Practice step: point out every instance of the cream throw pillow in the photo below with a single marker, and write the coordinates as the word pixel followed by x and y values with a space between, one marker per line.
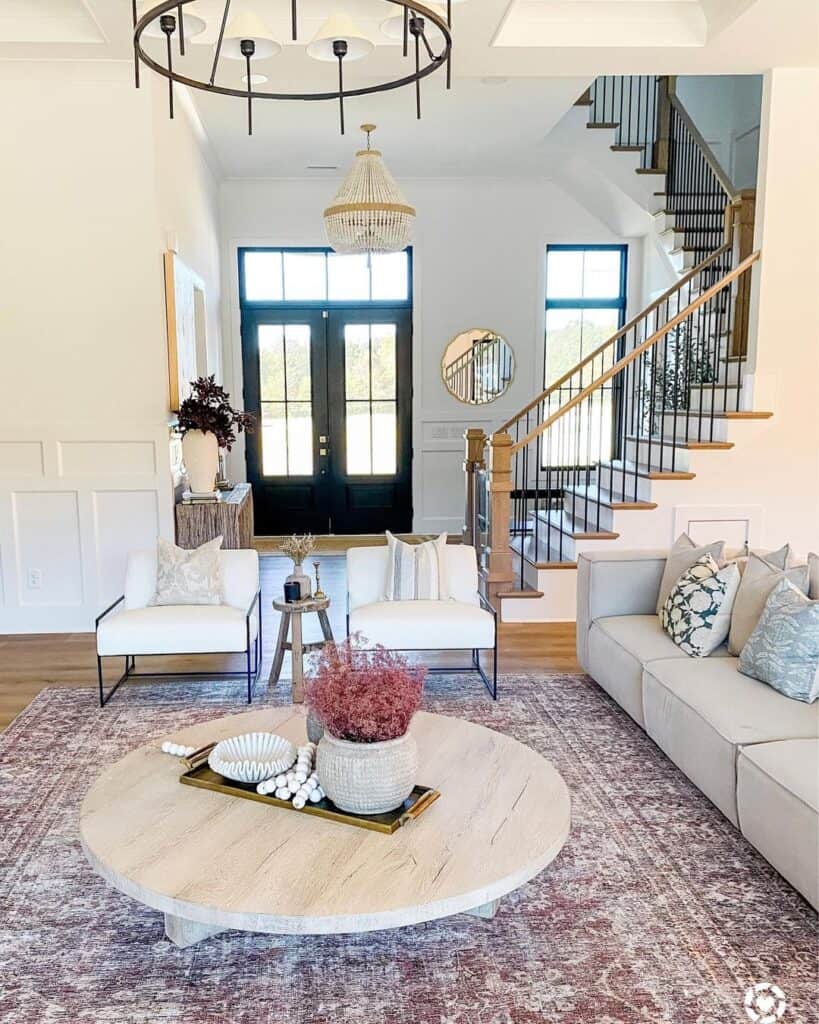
pixel 758 580
pixel 681 557
pixel 697 612
pixel 188 577
pixel 416 572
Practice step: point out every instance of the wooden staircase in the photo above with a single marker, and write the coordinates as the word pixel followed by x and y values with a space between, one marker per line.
pixel 599 455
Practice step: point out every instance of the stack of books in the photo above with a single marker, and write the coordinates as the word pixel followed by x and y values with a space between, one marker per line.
pixel 200 497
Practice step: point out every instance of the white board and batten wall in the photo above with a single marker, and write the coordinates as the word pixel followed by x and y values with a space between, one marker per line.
pixel 478 261
pixel 84 438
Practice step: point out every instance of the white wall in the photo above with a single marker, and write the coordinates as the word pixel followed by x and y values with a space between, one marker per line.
pixel 84 467
pixel 787 328
pixel 726 109
pixel 479 261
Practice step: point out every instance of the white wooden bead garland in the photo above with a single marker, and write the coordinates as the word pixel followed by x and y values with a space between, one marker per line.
pixel 176 749
pixel 300 784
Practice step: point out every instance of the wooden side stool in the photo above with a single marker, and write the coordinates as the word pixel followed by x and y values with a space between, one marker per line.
pixel 291 622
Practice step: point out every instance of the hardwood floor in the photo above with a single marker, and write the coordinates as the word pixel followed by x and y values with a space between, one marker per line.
pixel 29 663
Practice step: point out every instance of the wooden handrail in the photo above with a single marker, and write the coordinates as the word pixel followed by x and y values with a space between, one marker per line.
pixel 643 347
pixel 621 333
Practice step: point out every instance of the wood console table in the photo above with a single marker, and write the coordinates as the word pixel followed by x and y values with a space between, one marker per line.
pixel 232 516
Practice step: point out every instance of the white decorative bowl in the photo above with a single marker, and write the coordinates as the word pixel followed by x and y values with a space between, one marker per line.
pixel 252 757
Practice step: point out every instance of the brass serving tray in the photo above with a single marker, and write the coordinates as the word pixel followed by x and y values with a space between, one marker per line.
pixel 422 797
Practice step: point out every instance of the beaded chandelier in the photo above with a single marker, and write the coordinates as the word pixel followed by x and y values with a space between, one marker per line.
pixel 369 212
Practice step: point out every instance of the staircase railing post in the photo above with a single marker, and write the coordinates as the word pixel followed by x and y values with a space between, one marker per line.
pixel 474 460
pixel 498 574
pixel 744 207
pixel 662 130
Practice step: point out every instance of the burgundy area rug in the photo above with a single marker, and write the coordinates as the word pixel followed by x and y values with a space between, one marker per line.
pixel 657 910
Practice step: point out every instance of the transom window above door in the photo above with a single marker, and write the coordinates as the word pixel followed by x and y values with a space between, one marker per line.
pixel 304 276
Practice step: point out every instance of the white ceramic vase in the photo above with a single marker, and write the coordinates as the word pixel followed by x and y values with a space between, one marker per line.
pixel 200 451
pixel 367 778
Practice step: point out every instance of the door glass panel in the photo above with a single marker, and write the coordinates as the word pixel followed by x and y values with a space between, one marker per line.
pixel 357 362
pixel 390 276
pixel 297 346
pixel 359 439
pixel 271 362
pixel 371 408
pixel 299 439
pixel 263 276
pixel 285 387
pixel 274 439
pixel 383 360
pixel 305 276
pixel 384 437
pixel 348 277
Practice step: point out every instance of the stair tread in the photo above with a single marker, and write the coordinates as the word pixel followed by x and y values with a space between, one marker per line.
pixel 526 593
pixel 603 124
pixel 646 473
pixel 609 500
pixel 627 149
pixel 677 442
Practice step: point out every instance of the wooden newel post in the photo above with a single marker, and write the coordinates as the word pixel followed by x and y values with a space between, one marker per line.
pixel 474 459
pixel 743 209
pixel 498 574
pixel 666 85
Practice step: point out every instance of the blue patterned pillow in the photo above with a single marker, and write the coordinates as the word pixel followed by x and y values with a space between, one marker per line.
pixel 783 650
pixel 697 612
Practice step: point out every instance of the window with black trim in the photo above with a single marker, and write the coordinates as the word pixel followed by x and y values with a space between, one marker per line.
pixel 585 302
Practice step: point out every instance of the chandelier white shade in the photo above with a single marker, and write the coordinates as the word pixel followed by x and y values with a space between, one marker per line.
pixel 248 25
pixel 369 212
pixel 336 28
pixel 193 26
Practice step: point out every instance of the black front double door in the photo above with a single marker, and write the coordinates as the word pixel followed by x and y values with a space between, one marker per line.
pixel 332 393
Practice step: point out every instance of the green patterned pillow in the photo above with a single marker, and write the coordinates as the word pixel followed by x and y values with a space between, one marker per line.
pixel 783 650
pixel 697 612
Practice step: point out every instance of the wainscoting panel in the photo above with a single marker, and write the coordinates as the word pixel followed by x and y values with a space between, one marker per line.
pixel 92 458
pixel 72 505
pixel 21 458
pixel 123 521
pixel 47 545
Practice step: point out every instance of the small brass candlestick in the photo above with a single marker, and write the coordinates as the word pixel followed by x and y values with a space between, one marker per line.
pixel 319 593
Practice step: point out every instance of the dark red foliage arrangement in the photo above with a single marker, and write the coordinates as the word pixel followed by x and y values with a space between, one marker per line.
pixel 208 409
pixel 364 696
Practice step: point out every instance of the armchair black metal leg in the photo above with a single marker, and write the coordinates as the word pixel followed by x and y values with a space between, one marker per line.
pixel 105 697
pixel 247 663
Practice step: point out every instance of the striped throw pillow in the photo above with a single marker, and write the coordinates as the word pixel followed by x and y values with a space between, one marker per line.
pixel 415 572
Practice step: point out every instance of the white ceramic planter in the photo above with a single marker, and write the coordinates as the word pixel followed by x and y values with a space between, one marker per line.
pixel 367 778
pixel 200 450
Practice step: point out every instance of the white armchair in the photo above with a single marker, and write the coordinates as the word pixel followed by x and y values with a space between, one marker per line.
pixel 464 622
pixel 234 627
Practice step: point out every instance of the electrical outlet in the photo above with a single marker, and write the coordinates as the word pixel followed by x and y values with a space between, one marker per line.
pixel 34 579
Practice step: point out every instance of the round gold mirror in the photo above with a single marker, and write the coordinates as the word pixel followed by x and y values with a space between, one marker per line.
pixel 478 366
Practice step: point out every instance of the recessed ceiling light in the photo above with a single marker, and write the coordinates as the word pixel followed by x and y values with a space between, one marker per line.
pixel 322 167
pixel 255 79
pixel 494 80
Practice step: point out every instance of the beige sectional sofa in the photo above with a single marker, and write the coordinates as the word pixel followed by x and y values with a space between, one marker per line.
pixel 753 752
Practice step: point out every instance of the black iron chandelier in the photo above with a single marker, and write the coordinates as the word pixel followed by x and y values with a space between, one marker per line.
pixel 246 38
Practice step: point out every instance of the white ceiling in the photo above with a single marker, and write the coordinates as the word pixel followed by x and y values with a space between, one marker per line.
pixel 538 55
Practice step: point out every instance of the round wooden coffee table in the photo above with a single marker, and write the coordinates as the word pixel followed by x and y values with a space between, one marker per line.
pixel 212 862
